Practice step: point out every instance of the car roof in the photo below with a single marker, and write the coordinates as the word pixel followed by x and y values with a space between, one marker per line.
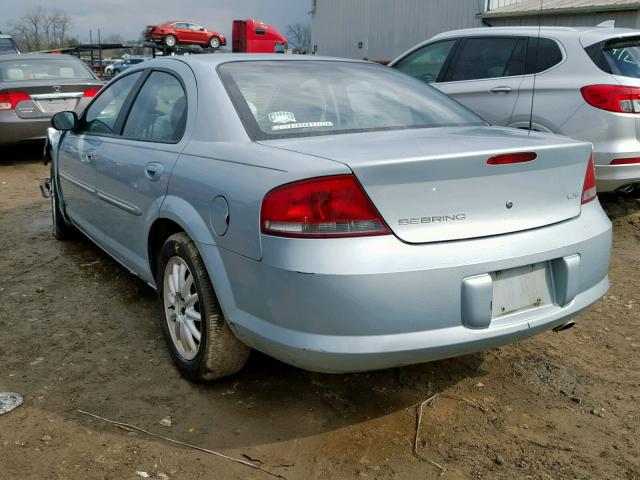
pixel 220 58
pixel 37 56
pixel 4 35
pixel 587 35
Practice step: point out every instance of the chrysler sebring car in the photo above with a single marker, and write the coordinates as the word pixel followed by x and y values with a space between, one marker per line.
pixel 337 215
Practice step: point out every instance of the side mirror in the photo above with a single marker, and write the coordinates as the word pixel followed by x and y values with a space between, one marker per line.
pixel 202 29
pixel 64 121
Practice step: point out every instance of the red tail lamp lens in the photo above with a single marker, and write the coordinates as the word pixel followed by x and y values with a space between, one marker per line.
pixel 322 207
pixel 509 158
pixel 625 161
pixel 92 92
pixel 10 100
pixel 589 187
pixel 613 98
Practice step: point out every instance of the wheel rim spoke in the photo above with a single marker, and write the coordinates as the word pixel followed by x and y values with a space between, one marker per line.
pixel 187 338
pixel 190 300
pixel 192 314
pixel 185 289
pixel 193 330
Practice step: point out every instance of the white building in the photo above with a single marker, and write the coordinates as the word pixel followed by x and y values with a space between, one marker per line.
pixel 382 29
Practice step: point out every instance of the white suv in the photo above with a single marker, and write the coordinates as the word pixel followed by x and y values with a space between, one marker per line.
pixel 587 85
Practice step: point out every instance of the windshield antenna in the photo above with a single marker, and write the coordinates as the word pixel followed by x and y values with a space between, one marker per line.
pixel 535 66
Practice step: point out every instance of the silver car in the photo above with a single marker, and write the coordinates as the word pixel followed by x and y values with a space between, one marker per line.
pixel 34 87
pixel 337 215
pixel 587 85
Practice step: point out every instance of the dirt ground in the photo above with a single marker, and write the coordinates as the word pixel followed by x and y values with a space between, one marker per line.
pixel 79 332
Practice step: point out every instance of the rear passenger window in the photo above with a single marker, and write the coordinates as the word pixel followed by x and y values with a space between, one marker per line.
pixel 159 113
pixel 426 63
pixel 480 58
pixel 542 54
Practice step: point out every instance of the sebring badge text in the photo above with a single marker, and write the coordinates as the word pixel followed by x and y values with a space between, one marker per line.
pixel 444 218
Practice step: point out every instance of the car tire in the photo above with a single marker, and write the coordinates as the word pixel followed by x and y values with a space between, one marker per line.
pixel 62 230
pixel 169 41
pixel 218 353
pixel 214 42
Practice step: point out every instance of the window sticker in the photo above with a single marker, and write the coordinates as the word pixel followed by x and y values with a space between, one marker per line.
pixel 282 117
pixel 290 126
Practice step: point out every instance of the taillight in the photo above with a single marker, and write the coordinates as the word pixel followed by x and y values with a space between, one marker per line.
pixel 321 207
pixel 589 187
pixel 625 161
pixel 508 158
pixel 9 101
pixel 92 92
pixel 614 98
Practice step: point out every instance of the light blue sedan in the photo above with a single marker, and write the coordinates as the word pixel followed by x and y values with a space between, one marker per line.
pixel 337 215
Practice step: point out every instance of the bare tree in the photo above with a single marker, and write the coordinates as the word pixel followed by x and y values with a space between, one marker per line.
pixel 41 28
pixel 299 36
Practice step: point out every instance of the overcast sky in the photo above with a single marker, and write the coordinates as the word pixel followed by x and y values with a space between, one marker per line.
pixel 129 17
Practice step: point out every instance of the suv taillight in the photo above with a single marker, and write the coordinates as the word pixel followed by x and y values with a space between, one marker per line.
pixel 613 98
pixel 9 101
pixel 322 207
pixel 589 187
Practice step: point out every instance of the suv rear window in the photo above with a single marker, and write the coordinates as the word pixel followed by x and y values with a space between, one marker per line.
pixel 618 56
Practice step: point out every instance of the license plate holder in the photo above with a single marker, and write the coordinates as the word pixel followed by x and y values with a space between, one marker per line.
pixel 55 105
pixel 521 288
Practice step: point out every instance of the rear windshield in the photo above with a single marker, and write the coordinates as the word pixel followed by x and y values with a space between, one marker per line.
pixel 277 99
pixel 619 56
pixel 7 46
pixel 43 69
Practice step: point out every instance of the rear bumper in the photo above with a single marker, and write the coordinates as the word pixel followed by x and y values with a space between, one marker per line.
pixel 154 37
pixel 612 177
pixel 14 129
pixel 344 305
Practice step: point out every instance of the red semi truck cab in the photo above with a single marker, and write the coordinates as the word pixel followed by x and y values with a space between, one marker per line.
pixel 252 36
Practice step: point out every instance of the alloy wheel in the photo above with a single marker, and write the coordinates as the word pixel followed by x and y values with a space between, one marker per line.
pixel 182 308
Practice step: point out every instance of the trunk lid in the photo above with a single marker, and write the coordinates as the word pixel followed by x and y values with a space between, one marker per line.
pixel 434 185
pixel 47 99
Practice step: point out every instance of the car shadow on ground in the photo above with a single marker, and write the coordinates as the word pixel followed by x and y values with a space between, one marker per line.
pixel 21 153
pixel 618 204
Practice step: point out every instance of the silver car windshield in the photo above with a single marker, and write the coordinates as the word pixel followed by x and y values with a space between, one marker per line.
pixel 278 99
pixel 43 69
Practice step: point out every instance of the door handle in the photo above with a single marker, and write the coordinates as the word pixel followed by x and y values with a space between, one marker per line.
pixel 153 171
pixel 500 89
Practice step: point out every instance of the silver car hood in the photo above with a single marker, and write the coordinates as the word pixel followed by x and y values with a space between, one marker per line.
pixel 435 184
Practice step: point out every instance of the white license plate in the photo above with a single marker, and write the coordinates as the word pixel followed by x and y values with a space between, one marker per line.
pixel 521 288
pixel 55 106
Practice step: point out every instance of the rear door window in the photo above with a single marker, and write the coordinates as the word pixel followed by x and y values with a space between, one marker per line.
pixel 159 113
pixel 542 54
pixel 487 57
pixel 617 56
pixel 426 63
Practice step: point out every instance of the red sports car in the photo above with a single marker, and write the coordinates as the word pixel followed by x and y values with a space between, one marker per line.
pixel 179 32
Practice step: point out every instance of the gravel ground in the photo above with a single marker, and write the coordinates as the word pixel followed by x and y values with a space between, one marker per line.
pixel 80 332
